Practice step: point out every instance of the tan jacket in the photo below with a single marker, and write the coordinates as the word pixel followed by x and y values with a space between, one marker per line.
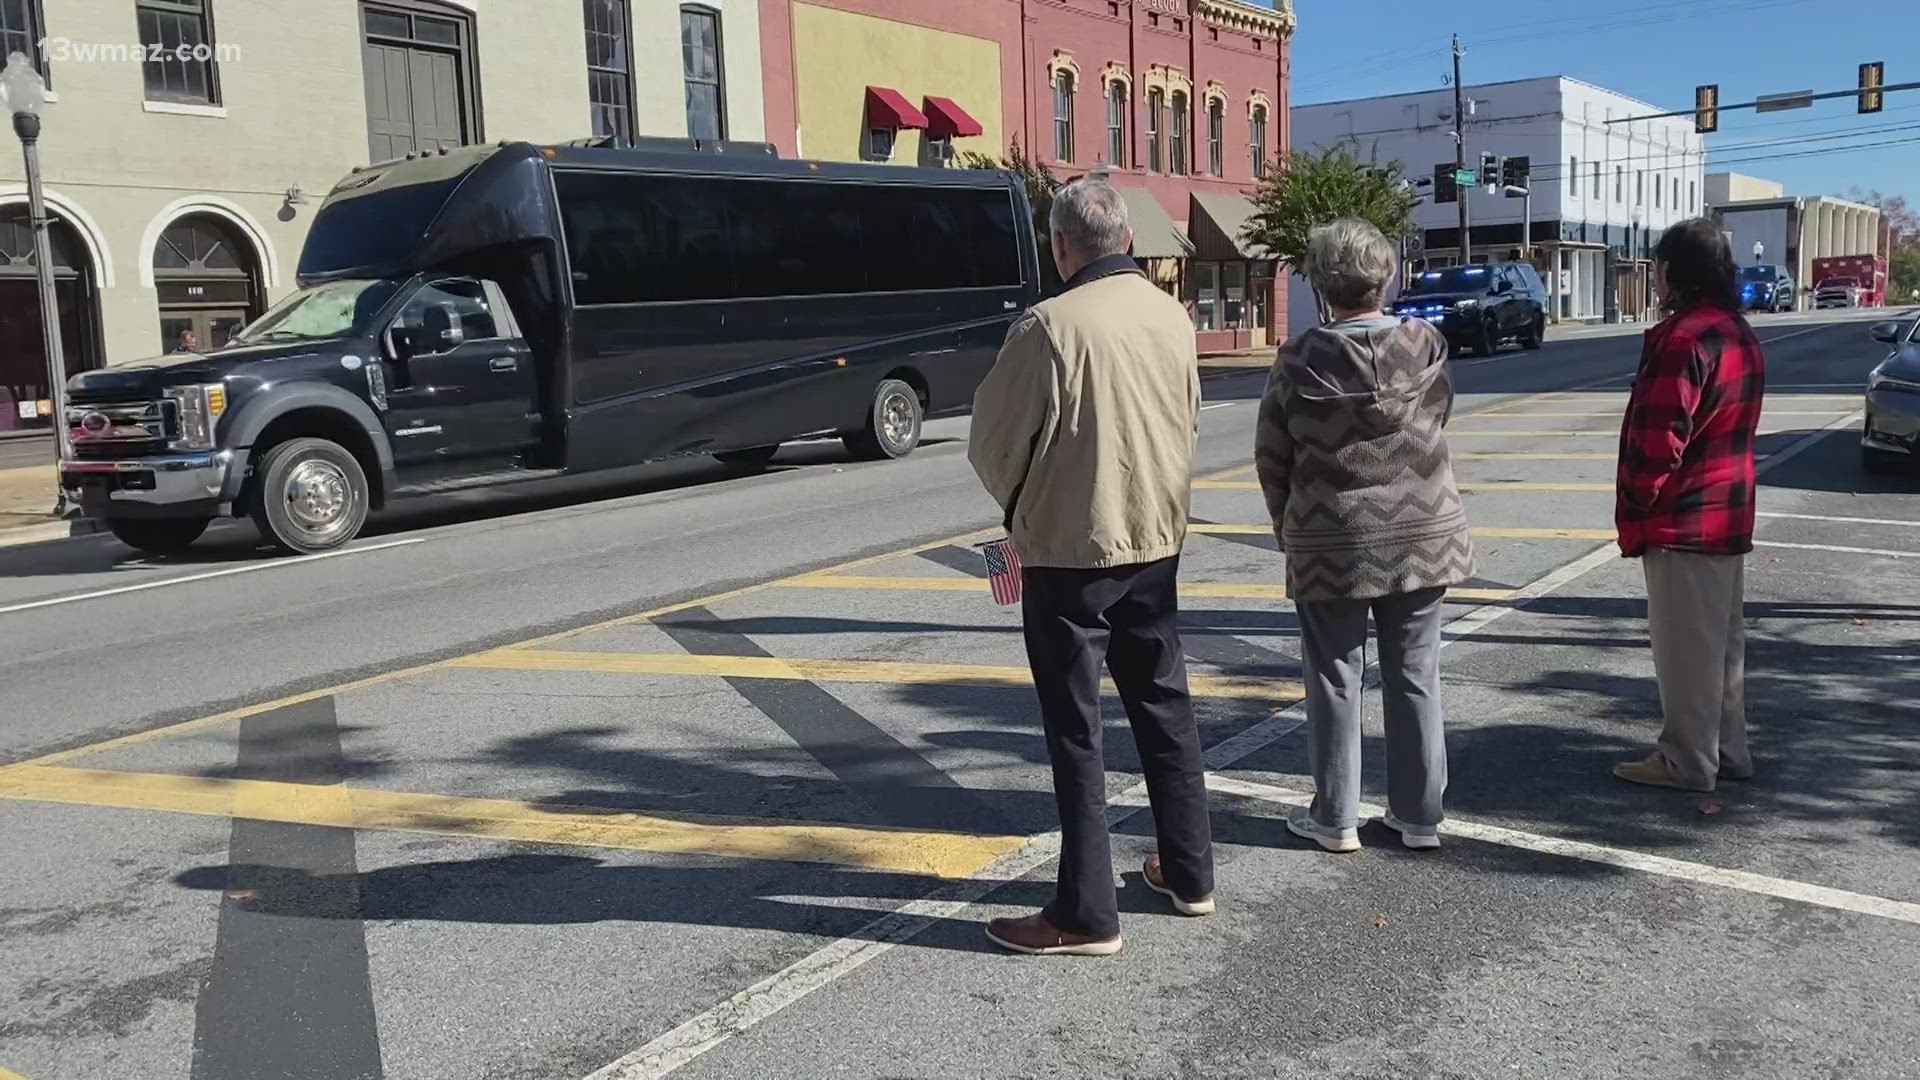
pixel 1088 420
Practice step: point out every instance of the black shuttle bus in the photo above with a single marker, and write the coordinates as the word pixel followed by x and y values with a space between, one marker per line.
pixel 487 315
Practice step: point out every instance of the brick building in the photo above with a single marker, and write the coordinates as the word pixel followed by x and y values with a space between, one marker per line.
pixel 1182 102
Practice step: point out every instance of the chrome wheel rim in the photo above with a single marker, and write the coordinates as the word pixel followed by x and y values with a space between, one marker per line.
pixel 319 498
pixel 896 419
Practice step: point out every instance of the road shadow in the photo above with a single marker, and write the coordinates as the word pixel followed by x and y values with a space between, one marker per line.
pixel 1833 465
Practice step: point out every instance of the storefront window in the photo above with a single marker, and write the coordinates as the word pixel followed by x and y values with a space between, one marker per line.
pixel 1206 296
pixel 1235 295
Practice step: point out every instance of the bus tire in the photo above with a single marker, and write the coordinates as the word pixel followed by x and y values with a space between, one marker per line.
pixel 309 495
pixel 893 424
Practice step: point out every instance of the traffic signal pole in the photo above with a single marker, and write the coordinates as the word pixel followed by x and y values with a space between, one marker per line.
pixel 1460 148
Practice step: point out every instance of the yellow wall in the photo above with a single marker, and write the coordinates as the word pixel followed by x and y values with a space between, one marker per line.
pixel 838 54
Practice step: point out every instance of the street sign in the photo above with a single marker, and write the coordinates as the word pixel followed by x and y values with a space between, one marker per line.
pixel 1465 177
pixel 1799 99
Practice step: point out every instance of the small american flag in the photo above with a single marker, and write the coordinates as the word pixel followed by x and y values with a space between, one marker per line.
pixel 1003 570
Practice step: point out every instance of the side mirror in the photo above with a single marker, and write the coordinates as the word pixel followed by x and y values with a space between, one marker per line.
pixel 1502 287
pixel 1888 332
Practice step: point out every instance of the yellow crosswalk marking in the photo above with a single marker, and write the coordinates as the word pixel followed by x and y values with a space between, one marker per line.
pixel 871 847
pixel 1210 590
pixel 851 671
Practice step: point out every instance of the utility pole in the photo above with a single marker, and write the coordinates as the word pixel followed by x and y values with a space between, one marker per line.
pixel 1460 147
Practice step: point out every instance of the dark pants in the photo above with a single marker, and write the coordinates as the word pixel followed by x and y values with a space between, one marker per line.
pixel 1126 616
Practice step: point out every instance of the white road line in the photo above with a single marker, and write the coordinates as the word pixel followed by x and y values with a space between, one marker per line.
pixel 1798 333
pixel 1839 520
pixel 1697 873
pixel 1862 387
pixel 275 564
pixel 1838 550
pixel 1218 405
pixel 827 965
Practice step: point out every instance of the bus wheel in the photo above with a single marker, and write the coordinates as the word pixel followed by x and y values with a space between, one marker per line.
pixel 311 496
pixel 893 424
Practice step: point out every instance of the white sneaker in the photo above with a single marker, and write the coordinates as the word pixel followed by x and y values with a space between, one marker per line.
pixel 1417 837
pixel 1300 823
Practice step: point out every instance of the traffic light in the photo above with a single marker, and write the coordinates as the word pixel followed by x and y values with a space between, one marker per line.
pixel 1445 187
pixel 1489 174
pixel 1516 172
pixel 1706 108
pixel 1872 77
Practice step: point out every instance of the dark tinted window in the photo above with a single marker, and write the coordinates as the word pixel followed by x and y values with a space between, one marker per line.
pixel 1527 278
pixel 640 239
pixel 378 229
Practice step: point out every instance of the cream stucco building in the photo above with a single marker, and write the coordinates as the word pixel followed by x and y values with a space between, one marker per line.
pixel 189 142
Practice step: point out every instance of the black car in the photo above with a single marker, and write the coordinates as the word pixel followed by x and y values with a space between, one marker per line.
pixel 1766 288
pixel 1480 306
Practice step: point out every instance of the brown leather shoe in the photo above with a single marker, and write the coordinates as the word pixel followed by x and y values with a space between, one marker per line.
pixel 1652 771
pixel 1157 881
pixel 1035 936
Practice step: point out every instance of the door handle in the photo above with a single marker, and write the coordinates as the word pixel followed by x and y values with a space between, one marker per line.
pixel 503 363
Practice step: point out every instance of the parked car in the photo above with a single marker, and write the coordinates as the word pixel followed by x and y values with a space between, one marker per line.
pixel 1891 435
pixel 1480 306
pixel 1837 293
pixel 1766 288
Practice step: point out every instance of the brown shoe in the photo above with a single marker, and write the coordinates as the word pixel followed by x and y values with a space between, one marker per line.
pixel 1652 770
pixel 1158 883
pixel 1035 936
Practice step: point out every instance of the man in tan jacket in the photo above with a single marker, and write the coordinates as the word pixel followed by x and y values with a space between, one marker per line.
pixel 1084 434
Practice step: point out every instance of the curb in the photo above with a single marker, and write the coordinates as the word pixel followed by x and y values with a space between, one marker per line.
pixel 51 531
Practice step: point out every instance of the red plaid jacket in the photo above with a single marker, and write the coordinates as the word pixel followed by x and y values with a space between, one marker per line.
pixel 1686 442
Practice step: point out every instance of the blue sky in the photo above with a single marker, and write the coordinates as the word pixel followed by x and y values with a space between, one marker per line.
pixel 1656 50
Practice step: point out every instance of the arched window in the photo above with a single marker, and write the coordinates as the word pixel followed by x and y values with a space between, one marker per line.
pixel 23 357
pixel 1117 124
pixel 1156 121
pixel 1063 115
pixel 701 69
pixel 1177 145
pixel 207 276
pixel 1257 141
pixel 1216 137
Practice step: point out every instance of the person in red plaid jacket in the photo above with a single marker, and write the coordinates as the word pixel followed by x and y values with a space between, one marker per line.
pixel 1684 507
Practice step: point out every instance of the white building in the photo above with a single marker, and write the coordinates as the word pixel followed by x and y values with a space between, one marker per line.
pixel 1602 193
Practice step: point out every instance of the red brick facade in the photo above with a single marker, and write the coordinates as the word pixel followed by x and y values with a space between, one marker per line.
pixel 1196 49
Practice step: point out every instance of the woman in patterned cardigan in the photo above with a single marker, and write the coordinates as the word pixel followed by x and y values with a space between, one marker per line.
pixel 1352 453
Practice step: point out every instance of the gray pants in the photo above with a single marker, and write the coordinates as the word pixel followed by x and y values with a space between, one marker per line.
pixel 1695 616
pixel 1333 643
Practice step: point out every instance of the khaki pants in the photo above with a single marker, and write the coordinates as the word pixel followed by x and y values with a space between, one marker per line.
pixel 1696 619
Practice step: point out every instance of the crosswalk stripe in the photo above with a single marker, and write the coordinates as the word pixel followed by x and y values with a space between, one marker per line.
pixel 849 671
pixel 340 806
pixel 1481 486
pixel 1503 415
pixel 1209 590
pixel 1533 455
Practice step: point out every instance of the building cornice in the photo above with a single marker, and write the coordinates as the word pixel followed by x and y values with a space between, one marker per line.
pixel 1278 21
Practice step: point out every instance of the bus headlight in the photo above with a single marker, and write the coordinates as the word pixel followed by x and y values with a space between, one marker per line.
pixel 198 409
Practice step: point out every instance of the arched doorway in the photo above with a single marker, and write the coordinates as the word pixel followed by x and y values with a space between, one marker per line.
pixel 24 393
pixel 208 278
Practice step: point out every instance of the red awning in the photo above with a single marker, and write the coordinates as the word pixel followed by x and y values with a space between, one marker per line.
pixel 947 120
pixel 887 109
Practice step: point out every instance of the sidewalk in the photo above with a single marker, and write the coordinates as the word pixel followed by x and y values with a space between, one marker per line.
pixel 26 497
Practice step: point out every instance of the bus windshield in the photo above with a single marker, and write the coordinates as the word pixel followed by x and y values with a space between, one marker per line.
pixel 335 309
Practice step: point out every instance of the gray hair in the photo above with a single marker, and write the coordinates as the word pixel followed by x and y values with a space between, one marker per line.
pixel 1349 262
pixel 1092 218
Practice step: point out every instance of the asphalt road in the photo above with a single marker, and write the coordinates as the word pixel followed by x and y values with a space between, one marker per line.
pixel 639 775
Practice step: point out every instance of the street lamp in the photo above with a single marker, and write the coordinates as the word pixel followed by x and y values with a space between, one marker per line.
pixel 23 92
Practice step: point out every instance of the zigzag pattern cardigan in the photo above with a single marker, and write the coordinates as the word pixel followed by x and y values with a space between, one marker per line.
pixel 1351 449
